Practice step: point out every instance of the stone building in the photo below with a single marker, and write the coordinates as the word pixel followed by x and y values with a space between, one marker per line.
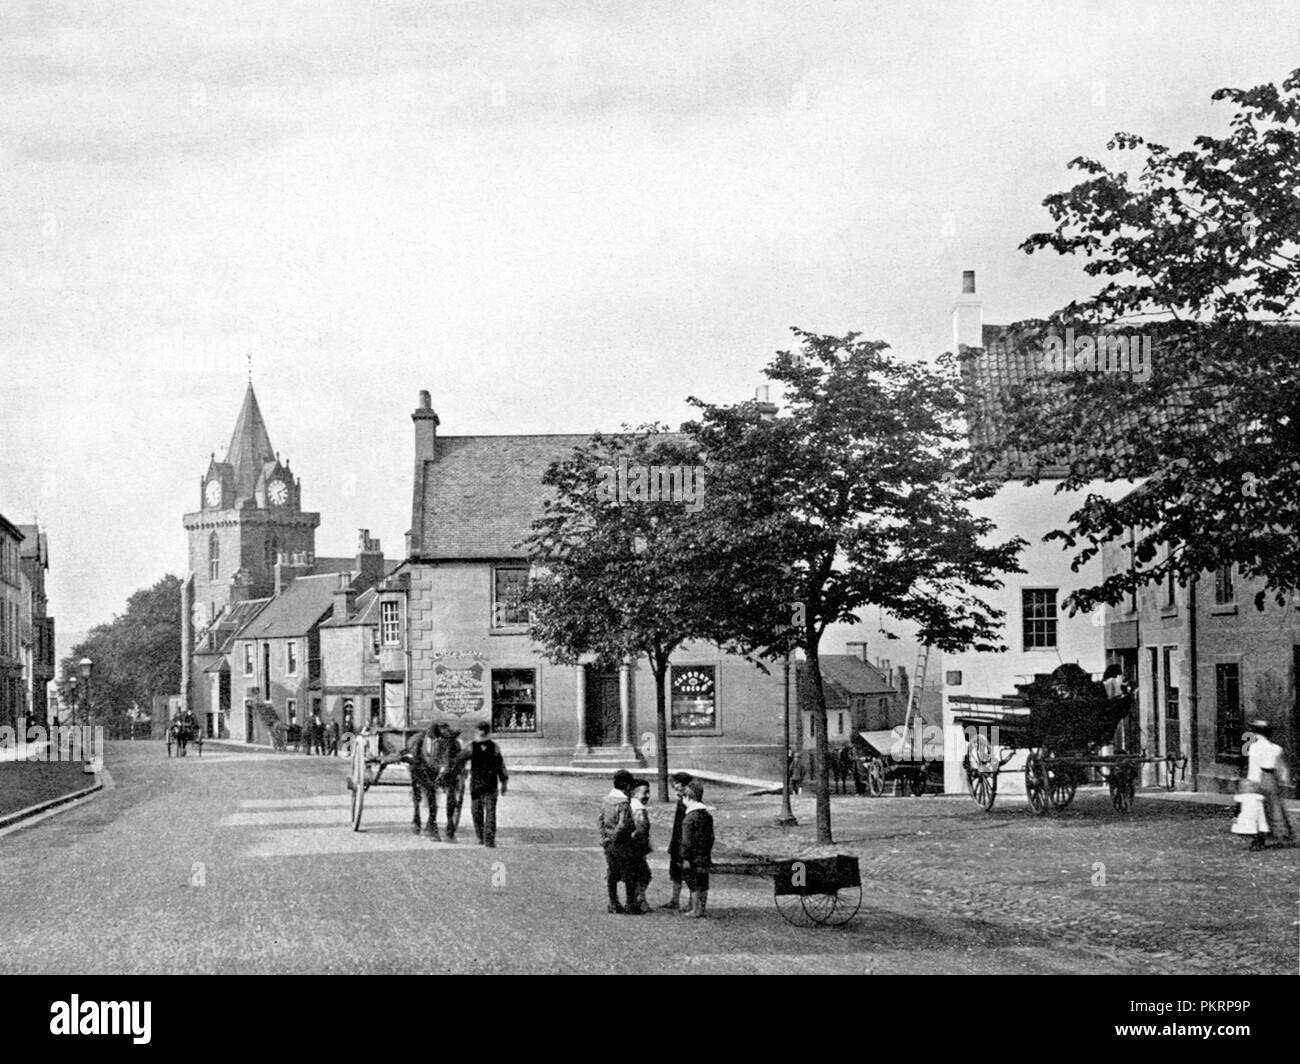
pixel 1205 661
pixel 251 541
pixel 13 701
pixel 39 659
pixel 454 646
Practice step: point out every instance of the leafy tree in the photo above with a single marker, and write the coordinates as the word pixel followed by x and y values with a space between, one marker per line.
pixel 1200 252
pixel 136 655
pixel 856 497
pixel 617 578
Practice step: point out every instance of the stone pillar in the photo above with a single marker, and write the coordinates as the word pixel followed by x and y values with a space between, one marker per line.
pixel 580 707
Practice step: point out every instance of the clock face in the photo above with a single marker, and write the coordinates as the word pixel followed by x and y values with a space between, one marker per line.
pixel 213 493
pixel 278 492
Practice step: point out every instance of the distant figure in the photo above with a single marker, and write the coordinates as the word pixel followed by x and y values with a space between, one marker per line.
pixel 317 735
pixel 795 768
pixel 638 870
pixel 840 769
pixel 332 737
pixel 1251 820
pixel 487 769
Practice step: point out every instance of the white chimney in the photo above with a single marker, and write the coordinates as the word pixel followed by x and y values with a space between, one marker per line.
pixel 967 316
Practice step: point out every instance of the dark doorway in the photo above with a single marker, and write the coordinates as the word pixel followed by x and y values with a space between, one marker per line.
pixel 248 722
pixel 604 718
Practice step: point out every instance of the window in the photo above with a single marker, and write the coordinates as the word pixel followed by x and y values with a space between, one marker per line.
pixel 1228 720
pixel 508 586
pixel 839 723
pixel 952 678
pixel 694 698
pixel 1038 612
pixel 514 700
pixel 291 657
pixel 248 659
pixel 1170 590
pixel 1171 685
pixel 291 707
pixel 214 557
pixel 1223 590
pixel 390 625
pixel 266 672
pixel 270 551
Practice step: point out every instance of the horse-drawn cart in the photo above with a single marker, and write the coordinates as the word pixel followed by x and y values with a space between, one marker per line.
pixel 821 891
pixel 414 758
pixel 182 732
pixel 1068 726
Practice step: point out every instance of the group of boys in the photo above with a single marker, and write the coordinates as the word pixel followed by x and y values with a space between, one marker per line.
pixel 625 837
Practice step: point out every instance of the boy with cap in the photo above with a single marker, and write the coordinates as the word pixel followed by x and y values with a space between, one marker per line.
pixel 697 849
pixel 679 782
pixel 615 825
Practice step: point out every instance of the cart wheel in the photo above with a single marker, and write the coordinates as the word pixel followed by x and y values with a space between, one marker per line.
pixel 1061 789
pixel 791 907
pixel 875 777
pixel 357 783
pixel 832 910
pixel 1122 791
pixel 1036 785
pixel 983 788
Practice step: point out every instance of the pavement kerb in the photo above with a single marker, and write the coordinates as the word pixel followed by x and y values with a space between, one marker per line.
pixel 103 781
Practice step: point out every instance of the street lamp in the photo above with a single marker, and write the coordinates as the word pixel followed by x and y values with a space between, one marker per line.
pixel 72 696
pixel 86 665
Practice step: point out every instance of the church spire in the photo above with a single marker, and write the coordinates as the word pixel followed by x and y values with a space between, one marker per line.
pixel 250 446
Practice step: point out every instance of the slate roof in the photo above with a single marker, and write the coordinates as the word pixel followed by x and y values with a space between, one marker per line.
pixel 250 449
pixel 295 611
pixel 367 612
pixel 480 494
pixel 844 678
pixel 234 617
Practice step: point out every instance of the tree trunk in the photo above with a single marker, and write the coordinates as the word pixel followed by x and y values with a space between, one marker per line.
pixel 822 746
pixel 661 725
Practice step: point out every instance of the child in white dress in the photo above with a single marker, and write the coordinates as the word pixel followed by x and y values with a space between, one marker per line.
pixel 1251 818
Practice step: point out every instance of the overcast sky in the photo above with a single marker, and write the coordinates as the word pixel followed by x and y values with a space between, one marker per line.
pixel 556 217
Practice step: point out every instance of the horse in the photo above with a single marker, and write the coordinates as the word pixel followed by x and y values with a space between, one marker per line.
pixel 182 733
pixel 434 757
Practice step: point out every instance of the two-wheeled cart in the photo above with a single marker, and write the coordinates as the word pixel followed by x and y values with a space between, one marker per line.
pixel 808 891
pixel 1068 726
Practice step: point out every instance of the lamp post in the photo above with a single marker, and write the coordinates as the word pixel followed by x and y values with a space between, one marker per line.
pixel 72 696
pixel 86 665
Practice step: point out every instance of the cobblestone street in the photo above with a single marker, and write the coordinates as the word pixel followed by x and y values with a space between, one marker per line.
pixel 1164 890
pixel 246 862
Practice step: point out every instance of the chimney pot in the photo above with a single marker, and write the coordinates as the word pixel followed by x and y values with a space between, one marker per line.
pixel 968 282
pixel 426 401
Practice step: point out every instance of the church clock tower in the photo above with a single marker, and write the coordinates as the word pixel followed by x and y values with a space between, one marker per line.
pixel 250 512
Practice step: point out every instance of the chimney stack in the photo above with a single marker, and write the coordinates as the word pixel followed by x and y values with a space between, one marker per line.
pixel 766 408
pixel 426 427
pixel 370 559
pixel 862 645
pixel 967 316
pixel 345 598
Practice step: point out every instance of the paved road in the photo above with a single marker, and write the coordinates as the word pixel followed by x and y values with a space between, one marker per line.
pixel 244 862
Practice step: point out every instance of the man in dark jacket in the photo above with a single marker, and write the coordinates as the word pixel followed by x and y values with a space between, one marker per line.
pixel 697 849
pixel 679 781
pixel 486 768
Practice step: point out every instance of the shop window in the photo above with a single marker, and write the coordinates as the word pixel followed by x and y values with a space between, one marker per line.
pixel 694 698
pixel 514 701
